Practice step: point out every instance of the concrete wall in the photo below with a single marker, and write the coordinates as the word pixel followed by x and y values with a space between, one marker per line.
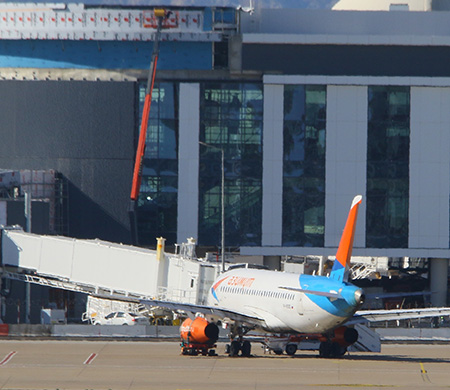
pixel 188 161
pixel 143 331
pixel 429 168
pixel 346 23
pixel 346 155
pixel 96 331
pixel 272 209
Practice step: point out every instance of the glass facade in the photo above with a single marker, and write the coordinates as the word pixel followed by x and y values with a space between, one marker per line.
pixel 304 165
pixel 231 116
pixel 388 167
pixel 157 203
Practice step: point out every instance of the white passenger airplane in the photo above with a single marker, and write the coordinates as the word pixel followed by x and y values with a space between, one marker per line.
pixel 314 307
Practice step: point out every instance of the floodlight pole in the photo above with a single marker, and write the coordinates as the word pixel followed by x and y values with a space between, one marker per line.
pixel 222 200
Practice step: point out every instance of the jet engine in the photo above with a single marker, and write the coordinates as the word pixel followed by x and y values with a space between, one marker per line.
pixel 198 335
pixel 345 336
pixel 337 345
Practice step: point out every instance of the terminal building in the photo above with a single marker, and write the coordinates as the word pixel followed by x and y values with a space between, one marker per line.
pixel 310 108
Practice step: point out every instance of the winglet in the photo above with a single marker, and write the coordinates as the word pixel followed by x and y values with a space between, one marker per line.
pixel 341 264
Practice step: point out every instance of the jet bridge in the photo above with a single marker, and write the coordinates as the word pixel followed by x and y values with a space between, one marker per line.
pixel 100 267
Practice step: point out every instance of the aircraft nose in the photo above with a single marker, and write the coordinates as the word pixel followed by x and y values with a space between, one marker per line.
pixel 359 297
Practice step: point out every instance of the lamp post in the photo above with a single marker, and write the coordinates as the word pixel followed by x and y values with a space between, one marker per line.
pixel 222 200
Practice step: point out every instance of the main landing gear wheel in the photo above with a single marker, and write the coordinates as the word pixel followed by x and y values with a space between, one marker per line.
pixel 328 349
pixel 235 347
pixel 246 348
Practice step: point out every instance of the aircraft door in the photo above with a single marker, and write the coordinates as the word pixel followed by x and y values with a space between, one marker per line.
pixel 300 309
pixel 302 306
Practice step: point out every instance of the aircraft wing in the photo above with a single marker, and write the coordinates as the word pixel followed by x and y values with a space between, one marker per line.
pixel 364 316
pixel 214 311
pixel 209 311
pixel 397 294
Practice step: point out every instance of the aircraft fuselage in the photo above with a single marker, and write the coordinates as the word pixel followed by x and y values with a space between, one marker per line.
pixel 274 296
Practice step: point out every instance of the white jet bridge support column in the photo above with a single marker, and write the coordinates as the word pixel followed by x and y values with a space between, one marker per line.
pixel 439 281
pixel 162 266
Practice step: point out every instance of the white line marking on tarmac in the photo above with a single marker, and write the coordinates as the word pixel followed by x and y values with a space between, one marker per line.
pixel 7 358
pixel 91 357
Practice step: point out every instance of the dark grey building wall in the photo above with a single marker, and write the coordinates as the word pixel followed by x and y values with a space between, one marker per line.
pixel 348 60
pixel 440 5
pixel 84 130
pixel 40 212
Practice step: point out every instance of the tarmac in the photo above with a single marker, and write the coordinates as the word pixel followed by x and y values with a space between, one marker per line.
pixel 111 365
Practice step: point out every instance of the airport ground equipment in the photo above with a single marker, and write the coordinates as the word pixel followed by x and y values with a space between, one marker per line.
pixel 198 336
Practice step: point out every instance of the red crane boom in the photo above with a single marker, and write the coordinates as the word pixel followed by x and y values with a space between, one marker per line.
pixel 160 15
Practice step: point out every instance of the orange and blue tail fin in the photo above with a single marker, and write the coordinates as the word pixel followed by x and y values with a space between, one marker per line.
pixel 341 265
